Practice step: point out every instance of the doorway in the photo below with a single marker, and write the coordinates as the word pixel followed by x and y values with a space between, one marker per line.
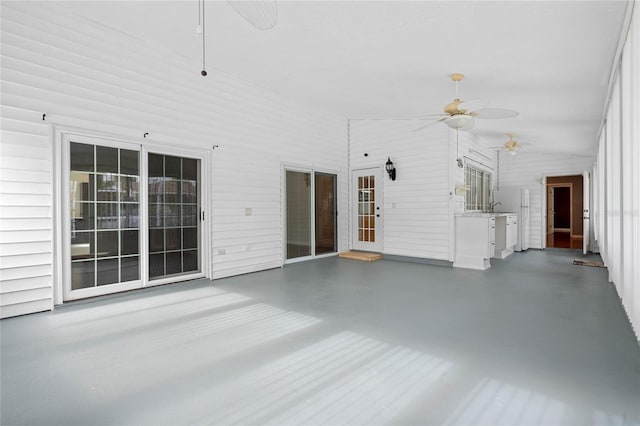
pixel 131 216
pixel 311 209
pixel 564 211
pixel 367 212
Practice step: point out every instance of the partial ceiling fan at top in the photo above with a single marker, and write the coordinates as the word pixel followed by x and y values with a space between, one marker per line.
pixel 461 115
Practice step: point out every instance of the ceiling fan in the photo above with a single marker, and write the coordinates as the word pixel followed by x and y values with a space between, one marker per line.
pixel 511 146
pixel 461 115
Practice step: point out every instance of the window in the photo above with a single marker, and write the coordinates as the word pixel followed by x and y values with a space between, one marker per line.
pixel 479 193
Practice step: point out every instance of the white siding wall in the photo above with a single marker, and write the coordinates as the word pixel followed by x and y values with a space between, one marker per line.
pixel 617 178
pixel 419 206
pixel 416 204
pixel 99 79
pixel 525 170
pixel 26 215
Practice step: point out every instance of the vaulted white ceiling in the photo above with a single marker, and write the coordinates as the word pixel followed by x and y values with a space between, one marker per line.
pixel 549 60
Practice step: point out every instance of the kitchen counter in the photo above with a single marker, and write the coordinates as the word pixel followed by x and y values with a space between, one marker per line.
pixel 482 214
pixel 481 236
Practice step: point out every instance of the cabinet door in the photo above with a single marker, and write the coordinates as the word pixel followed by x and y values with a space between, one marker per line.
pixel 512 231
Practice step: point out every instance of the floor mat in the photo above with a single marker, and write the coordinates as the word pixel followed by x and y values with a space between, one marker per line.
pixel 585 262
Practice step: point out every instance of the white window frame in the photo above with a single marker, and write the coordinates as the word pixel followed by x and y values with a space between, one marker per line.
pixel 485 185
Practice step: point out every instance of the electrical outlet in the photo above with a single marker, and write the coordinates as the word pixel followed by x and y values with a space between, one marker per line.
pixel 222 251
pixel 247 211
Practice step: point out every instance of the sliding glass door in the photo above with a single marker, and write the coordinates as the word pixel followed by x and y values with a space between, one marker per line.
pixel 310 214
pixel 174 216
pixel 132 217
pixel 325 213
pixel 104 217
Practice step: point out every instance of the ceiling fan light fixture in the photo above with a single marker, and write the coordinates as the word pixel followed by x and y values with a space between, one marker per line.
pixel 460 122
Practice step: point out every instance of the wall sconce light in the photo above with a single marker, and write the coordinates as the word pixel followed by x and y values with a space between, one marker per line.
pixel 390 169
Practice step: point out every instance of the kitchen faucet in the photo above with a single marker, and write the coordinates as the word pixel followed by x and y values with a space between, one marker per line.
pixel 494 205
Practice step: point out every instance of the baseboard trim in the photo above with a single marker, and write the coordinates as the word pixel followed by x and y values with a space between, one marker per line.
pixel 421 260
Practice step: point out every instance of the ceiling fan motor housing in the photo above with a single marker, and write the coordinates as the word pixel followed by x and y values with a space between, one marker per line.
pixel 452 108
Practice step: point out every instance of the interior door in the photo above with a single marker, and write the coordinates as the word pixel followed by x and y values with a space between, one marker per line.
pixel 586 196
pixel 367 210
pixel 550 212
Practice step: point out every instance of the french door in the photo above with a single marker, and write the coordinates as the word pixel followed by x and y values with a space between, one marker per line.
pixel 310 228
pixel 132 217
pixel 367 210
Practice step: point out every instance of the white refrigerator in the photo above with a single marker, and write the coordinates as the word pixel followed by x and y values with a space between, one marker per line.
pixel 515 200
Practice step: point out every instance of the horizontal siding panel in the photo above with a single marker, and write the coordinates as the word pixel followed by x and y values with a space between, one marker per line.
pixel 242 219
pixel 8 212
pixel 15 249
pixel 23 127
pixel 25 308
pixel 25 224
pixel 224 273
pixel 25 176
pixel 26 272
pixel 24 145
pixel 25 236
pixel 26 188
pixel 26 200
pixel 23 284
pixel 243 241
pixel 238 262
pixel 24 260
pixel 19 297
pixel 24 163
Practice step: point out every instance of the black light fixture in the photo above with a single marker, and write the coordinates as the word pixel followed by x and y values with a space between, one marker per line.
pixel 390 169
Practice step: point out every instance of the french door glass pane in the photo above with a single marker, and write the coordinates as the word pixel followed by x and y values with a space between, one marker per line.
pixel 174 225
pixel 298 187
pixel 104 184
pixel 325 209
pixel 366 209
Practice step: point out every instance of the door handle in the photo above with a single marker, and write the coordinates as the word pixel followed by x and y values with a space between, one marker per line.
pixel 377 215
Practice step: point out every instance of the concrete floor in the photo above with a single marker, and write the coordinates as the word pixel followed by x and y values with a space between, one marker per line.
pixel 533 340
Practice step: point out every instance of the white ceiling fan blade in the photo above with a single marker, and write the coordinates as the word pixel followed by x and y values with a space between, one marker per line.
pixel 472 105
pixel 494 113
pixel 430 124
pixel 262 14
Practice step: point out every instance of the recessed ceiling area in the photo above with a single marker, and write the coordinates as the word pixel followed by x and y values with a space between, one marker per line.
pixel 550 61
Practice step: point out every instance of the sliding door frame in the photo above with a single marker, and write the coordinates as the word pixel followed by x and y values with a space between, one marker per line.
pixel 288 167
pixel 62 136
pixel 204 242
pixel 68 294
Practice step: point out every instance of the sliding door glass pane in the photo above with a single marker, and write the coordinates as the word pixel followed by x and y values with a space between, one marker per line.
pixel 325 209
pixel 104 184
pixel 298 214
pixel 174 225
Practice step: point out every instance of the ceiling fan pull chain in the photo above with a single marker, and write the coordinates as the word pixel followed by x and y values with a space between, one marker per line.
pixel 204 68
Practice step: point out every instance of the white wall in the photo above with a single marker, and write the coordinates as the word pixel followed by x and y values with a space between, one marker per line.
pixel 617 178
pixel 420 204
pixel 99 79
pixel 416 204
pixel 526 169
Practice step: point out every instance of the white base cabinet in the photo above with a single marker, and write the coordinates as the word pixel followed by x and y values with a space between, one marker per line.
pixel 475 241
